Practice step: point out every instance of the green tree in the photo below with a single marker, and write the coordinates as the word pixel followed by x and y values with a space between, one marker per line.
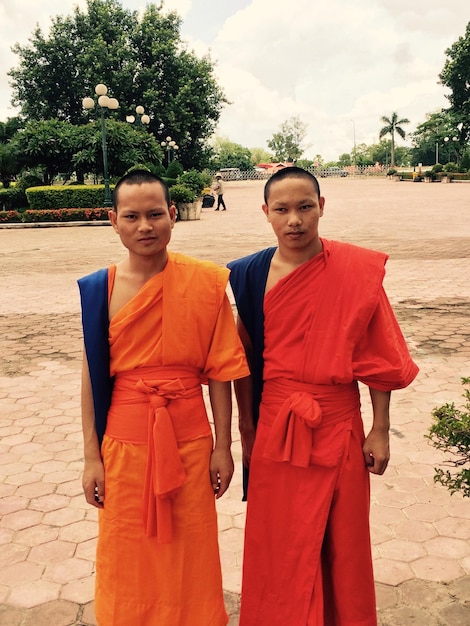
pixel 9 165
pixel 260 155
pixel 287 143
pixel 47 144
pixel 456 77
pixel 363 155
pixel 226 153
pixel 9 128
pixel 60 147
pixel 381 153
pixel 429 143
pixel 392 126
pixel 344 160
pixel 141 59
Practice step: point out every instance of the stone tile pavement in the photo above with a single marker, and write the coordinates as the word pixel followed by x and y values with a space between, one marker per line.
pixel 420 533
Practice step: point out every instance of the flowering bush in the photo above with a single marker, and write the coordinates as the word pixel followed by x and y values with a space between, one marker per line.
pixel 9 217
pixel 64 215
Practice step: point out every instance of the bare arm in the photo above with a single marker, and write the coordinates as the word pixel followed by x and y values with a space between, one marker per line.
pixel 377 445
pixel 221 464
pixel 93 472
pixel 244 394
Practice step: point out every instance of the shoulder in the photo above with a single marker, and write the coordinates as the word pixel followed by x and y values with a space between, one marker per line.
pixel 356 254
pixel 197 272
pixel 188 263
pixel 254 260
pixel 95 279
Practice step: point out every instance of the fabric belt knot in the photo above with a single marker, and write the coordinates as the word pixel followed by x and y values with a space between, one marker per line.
pixel 165 473
pixel 290 437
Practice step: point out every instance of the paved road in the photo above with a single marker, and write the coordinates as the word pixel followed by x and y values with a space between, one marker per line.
pixel 421 534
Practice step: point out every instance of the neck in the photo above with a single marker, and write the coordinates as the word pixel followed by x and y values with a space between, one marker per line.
pixel 146 267
pixel 295 257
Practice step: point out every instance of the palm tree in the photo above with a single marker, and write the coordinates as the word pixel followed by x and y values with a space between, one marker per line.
pixel 393 126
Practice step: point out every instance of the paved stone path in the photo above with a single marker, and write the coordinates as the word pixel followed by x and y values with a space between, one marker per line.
pixel 421 534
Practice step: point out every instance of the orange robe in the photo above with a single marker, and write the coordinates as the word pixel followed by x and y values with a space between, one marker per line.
pixel 307 559
pixel 157 557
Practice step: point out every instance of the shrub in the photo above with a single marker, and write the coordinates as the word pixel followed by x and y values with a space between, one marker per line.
pixel 174 169
pixel 192 179
pixel 12 198
pixel 9 217
pixel 451 433
pixel 451 167
pixel 437 168
pixel 65 215
pixel 65 197
pixel 182 194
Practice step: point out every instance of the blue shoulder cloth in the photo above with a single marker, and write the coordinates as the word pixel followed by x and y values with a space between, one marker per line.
pixel 95 321
pixel 248 278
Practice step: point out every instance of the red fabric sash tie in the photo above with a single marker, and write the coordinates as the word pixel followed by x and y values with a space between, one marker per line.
pixel 297 409
pixel 291 433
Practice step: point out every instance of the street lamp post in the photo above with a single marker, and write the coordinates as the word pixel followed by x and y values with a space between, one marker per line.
pixel 447 139
pixel 104 103
pixel 171 146
pixel 142 117
pixel 354 140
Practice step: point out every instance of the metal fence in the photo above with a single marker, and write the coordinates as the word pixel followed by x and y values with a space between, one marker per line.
pixel 234 173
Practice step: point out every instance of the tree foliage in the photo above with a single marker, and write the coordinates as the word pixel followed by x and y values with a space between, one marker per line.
pixel 260 155
pixel 456 76
pixel 142 60
pixel 58 147
pixel 287 143
pixel 429 143
pixel 226 153
pixel 450 432
pixel 392 126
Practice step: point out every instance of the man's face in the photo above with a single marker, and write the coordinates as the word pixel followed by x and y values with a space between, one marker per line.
pixel 294 209
pixel 143 220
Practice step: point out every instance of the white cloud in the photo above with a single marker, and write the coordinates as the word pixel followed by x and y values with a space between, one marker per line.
pixel 338 65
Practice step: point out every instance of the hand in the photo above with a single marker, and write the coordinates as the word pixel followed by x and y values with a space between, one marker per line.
pixel 221 470
pixel 93 483
pixel 376 451
pixel 247 436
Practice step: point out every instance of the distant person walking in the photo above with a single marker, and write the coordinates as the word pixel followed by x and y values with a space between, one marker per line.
pixel 219 191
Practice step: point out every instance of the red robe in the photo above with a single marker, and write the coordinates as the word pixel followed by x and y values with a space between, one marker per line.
pixel 307 558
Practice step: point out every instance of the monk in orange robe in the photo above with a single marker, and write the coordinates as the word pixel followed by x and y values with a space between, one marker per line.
pixel 315 320
pixel 156 326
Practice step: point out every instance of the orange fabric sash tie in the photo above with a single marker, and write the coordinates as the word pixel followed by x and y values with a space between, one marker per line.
pixel 305 408
pixel 171 410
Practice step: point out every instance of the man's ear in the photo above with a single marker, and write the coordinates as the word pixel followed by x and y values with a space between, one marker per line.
pixel 265 210
pixel 172 211
pixel 321 202
pixel 113 219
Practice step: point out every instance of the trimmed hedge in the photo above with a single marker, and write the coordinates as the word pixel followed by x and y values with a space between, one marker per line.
pixel 12 198
pixel 66 197
pixel 57 215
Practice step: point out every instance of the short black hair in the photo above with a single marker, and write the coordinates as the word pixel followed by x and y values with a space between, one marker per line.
pixel 290 172
pixel 139 177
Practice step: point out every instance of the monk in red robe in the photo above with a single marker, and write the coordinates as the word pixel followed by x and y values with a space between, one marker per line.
pixel 156 326
pixel 315 320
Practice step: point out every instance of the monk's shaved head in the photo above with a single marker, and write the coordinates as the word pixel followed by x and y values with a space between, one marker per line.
pixel 290 172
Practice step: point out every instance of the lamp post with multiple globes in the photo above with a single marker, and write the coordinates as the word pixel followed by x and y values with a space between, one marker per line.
pixel 142 117
pixel 105 103
pixel 171 146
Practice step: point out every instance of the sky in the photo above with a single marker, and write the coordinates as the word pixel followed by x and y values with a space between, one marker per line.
pixel 338 65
